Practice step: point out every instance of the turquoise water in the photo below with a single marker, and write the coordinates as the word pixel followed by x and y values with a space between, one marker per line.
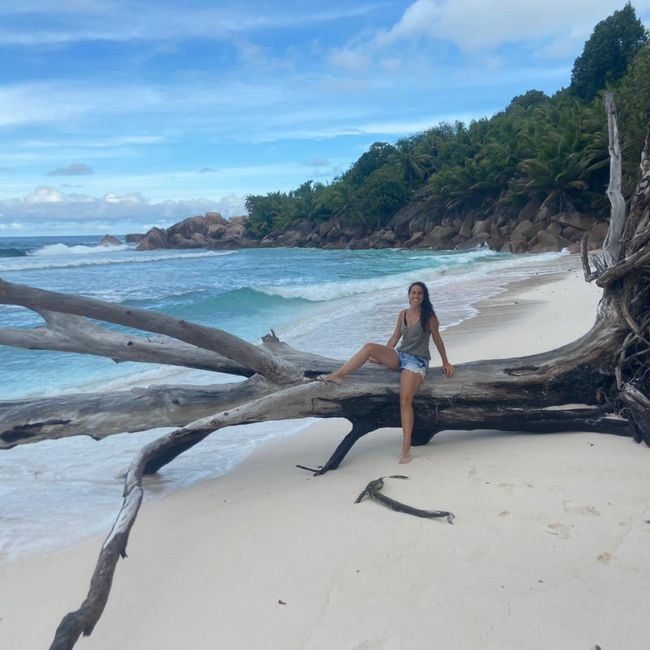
pixel 328 302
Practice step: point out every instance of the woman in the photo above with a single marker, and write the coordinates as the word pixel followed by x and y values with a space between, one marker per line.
pixel 414 325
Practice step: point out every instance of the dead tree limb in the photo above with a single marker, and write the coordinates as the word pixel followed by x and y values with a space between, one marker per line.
pixel 66 333
pixel 99 415
pixel 373 491
pixel 611 246
pixel 208 338
pixel 584 256
pixel 359 429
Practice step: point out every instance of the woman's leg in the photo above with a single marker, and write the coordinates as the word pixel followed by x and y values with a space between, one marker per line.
pixel 381 353
pixel 409 383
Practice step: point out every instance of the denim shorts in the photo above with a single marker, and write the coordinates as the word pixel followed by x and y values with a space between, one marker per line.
pixel 412 362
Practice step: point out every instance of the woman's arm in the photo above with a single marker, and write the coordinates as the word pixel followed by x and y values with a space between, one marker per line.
pixel 434 326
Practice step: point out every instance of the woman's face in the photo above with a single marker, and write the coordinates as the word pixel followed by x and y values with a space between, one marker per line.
pixel 416 295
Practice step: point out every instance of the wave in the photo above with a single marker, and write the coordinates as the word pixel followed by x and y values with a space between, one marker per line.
pixel 79 249
pixel 242 304
pixel 141 258
pixel 12 252
pixel 448 266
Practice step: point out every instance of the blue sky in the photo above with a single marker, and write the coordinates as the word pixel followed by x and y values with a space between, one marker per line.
pixel 116 116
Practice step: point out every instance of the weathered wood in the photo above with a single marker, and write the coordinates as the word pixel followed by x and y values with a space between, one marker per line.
pixel 359 429
pixel 99 415
pixel 638 405
pixel 373 491
pixel 208 338
pixel 66 333
pixel 611 247
pixel 584 256
pixel 626 265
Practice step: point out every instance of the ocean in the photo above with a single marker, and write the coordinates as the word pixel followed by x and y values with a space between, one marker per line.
pixel 55 493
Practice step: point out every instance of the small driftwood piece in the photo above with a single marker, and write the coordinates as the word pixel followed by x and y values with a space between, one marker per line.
pixel 373 490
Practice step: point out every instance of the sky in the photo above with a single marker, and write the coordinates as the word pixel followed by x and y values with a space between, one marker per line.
pixel 116 116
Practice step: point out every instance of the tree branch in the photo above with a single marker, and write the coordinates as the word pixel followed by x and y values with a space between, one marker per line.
pixel 67 333
pixel 625 266
pixel 611 246
pixel 201 336
pixel 584 256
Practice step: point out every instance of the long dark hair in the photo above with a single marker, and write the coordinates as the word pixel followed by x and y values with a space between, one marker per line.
pixel 426 309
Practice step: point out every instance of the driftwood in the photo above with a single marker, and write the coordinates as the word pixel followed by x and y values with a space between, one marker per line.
pixel 600 383
pixel 373 490
pixel 611 247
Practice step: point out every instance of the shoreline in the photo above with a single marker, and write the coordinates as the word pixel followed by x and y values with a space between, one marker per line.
pixel 535 537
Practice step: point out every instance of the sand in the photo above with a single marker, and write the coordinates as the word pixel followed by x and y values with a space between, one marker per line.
pixel 550 547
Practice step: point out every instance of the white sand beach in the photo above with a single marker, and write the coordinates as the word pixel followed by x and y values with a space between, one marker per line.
pixel 550 547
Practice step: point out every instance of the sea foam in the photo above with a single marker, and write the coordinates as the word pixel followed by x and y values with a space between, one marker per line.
pixel 63 249
pixel 19 264
pixel 443 272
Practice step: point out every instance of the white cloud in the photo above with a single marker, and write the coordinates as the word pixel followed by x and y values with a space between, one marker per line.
pixel 350 59
pixel 60 101
pixel 418 19
pixel 117 22
pixel 547 28
pixel 44 194
pixel 46 208
pixel 130 197
pixel 478 25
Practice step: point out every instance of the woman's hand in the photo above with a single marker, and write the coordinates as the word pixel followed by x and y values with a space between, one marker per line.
pixel 447 369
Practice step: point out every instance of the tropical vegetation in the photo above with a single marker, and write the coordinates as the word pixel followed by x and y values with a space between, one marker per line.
pixel 553 150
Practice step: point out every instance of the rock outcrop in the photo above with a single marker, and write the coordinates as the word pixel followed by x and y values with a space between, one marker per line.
pixel 154 239
pixel 109 240
pixel 208 231
pixel 534 228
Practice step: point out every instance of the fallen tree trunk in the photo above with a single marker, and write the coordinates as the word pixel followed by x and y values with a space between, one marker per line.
pixel 99 415
pixel 601 382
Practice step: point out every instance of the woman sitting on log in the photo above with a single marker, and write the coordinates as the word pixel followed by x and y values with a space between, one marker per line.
pixel 414 325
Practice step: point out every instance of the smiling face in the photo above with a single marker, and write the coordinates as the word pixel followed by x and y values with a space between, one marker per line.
pixel 416 295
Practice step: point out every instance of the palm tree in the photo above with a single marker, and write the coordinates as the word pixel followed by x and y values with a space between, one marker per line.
pixel 570 149
pixel 413 164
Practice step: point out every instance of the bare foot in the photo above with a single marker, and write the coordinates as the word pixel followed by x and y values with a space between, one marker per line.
pixel 405 458
pixel 332 379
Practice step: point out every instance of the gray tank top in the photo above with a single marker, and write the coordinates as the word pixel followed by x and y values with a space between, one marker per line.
pixel 414 339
